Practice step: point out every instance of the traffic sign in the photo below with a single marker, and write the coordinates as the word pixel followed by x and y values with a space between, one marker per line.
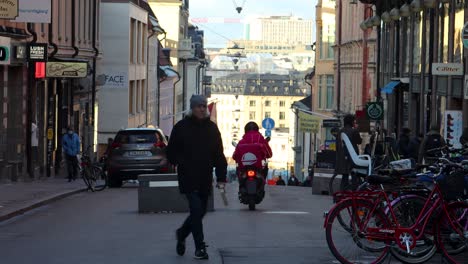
pixel 375 110
pixel 268 123
pixel 268 133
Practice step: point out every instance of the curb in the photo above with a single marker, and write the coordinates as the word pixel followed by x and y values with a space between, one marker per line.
pixel 39 203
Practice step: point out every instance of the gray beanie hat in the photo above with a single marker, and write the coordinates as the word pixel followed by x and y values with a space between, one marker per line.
pixel 197 99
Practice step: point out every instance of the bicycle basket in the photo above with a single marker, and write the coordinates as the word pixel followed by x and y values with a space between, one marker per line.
pixel 452 185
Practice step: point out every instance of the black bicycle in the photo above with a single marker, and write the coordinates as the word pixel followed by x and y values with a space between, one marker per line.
pixel 92 174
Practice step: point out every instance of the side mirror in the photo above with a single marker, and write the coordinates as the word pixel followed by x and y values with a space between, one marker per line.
pixel 234 143
pixel 268 139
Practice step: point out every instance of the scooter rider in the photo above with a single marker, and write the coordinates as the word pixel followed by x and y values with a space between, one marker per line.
pixel 252 143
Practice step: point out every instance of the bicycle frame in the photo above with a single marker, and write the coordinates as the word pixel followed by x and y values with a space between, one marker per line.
pixel 394 232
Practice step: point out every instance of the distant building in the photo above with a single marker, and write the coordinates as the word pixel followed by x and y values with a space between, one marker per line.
pixel 242 98
pixel 280 29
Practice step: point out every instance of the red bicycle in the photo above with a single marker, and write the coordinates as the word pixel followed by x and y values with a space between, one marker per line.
pixel 364 228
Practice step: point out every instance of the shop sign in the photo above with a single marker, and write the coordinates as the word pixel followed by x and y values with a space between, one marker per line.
pixel 447 69
pixel 464 33
pixel 115 80
pixel 57 69
pixel 37 52
pixel 9 9
pixel 453 128
pixel 308 123
pixel 375 110
pixel 34 11
pixel 5 50
pixel 331 123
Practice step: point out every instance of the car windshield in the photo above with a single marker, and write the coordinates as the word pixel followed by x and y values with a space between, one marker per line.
pixel 137 137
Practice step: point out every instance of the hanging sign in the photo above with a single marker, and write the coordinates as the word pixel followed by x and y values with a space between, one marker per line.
pixel 9 9
pixel 308 123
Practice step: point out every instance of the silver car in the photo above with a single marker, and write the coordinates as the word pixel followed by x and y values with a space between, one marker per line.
pixel 137 151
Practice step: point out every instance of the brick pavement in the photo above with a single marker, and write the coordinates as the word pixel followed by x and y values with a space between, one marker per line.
pixel 19 197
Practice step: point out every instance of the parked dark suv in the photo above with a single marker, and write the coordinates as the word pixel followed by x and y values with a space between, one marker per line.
pixel 137 151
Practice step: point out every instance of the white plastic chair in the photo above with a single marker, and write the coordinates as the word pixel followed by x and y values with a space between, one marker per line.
pixel 360 161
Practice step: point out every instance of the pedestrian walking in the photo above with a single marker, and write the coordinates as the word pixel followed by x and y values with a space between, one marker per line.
pixel 413 146
pixel 71 148
pixel 432 140
pixel 403 143
pixel 343 161
pixel 195 147
pixel 280 181
pixel 293 181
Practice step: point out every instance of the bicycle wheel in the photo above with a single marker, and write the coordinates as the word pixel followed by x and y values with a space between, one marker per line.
pixel 349 243
pixel 332 182
pixel 99 178
pixel 407 209
pixel 452 233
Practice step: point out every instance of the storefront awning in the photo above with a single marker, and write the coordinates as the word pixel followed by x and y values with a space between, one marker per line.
pixel 388 89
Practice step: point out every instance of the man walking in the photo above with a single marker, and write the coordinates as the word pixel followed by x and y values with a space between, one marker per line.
pixel 71 148
pixel 195 146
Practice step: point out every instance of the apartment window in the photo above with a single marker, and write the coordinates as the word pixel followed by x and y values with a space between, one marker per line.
pixel 267 114
pixel 137 97
pixel 282 103
pixel 252 103
pixel 143 42
pixel 320 93
pixel 282 125
pixel 132 40
pixel 282 116
pixel 267 103
pixel 131 98
pixel 252 115
pixel 330 91
pixel 138 42
pixel 143 94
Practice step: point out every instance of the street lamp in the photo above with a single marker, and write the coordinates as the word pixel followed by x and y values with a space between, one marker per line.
pixel 405 10
pixel 386 17
pixel 416 6
pixel 395 14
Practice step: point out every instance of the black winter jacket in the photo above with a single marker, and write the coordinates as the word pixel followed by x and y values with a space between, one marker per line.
pixel 195 146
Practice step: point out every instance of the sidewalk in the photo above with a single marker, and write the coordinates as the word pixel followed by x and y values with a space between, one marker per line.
pixel 19 197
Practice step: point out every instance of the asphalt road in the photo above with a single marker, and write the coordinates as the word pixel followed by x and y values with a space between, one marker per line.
pixel 105 227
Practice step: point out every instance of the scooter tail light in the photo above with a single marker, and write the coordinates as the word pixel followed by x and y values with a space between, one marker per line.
pixel 251 173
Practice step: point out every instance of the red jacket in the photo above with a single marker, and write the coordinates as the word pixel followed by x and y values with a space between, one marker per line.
pixel 252 150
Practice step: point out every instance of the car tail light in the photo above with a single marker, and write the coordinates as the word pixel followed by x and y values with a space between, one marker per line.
pixel 251 173
pixel 116 145
pixel 159 145
pixel 164 169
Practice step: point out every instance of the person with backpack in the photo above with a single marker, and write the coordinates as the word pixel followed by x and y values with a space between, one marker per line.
pixel 432 140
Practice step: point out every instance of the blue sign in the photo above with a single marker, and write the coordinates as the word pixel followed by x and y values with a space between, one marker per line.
pixel 268 123
pixel 268 133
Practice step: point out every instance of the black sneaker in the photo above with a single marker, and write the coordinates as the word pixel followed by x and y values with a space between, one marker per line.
pixel 180 247
pixel 201 254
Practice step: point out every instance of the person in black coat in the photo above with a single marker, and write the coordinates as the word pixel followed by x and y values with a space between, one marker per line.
pixel 195 147
pixel 403 143
pixel 293 181
pixel 343 161
pixel 280 181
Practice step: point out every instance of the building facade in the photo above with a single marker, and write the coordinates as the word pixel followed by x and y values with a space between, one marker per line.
pixel 279 29
pixel 58 87
pixel 126 97
pixel 355 56
pixel 413 37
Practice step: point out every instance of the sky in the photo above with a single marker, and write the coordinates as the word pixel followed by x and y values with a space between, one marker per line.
pixel 218 34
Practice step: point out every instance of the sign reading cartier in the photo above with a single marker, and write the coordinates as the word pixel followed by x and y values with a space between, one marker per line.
pixel 447 68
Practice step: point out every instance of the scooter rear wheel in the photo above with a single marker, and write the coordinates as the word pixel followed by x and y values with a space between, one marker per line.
pixel 251 203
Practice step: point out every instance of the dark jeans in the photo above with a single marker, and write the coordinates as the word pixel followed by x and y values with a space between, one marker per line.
pixel 193 224
pixel 72 166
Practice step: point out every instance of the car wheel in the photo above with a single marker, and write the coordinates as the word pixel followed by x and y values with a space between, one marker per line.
pixel 114 181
